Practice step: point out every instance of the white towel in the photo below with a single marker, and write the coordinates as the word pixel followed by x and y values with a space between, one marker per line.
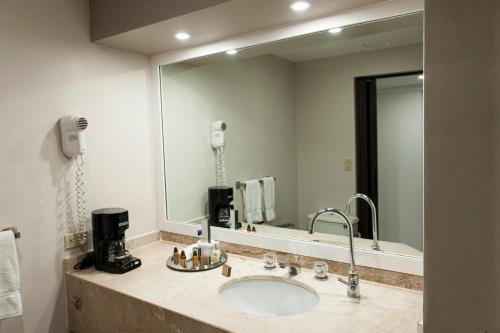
pixel 269 193
pixel 253 201
pixel 10 295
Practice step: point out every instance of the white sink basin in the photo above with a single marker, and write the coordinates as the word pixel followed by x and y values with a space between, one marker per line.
pixel 268 295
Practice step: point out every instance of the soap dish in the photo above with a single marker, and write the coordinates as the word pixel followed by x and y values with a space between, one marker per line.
pixel 189 265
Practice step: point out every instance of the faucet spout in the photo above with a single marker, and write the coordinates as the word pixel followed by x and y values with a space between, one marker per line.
pixel 353 280
pixel 375 245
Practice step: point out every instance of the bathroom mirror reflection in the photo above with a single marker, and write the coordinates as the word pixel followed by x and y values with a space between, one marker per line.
pixel 301 124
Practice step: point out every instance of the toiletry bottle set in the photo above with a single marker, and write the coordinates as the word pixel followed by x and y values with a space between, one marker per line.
pixel 252 229
pixel 203 255
pixel 212 255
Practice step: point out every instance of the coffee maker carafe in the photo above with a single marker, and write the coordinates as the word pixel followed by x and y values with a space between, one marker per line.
pixel 108 232
pixel 221 210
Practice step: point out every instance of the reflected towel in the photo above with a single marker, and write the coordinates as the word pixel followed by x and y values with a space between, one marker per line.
pixel 253 201
pixel 269 197
pixel 10 295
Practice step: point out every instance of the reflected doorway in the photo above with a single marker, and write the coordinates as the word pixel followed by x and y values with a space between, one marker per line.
pixel 389 153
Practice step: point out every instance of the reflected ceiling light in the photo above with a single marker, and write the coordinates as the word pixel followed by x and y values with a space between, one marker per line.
pixel 421 77
pixel 182 36
pixel 335 30
pixel 300 6
pixel 232 52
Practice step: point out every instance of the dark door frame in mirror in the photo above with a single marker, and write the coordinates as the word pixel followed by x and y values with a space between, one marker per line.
pixel 366 145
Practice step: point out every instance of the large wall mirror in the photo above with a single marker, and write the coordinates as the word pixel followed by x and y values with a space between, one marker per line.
pixel 262 137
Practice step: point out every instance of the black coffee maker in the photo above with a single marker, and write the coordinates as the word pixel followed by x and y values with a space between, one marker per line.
pixel 220 207
pixel 108 232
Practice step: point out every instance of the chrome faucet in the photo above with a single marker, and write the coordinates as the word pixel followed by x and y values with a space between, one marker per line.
pixel 352 276
pixel 293 268
pixel 375 245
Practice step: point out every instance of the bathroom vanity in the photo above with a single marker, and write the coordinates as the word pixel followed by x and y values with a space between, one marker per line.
pixel 282 123
pixel 154 298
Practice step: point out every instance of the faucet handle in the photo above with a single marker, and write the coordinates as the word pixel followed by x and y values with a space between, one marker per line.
pixel 351 285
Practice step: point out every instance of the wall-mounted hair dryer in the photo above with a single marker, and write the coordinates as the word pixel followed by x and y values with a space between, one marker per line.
pixel 73 139
pixel 217 133
pixel 217 141
pixel 73 145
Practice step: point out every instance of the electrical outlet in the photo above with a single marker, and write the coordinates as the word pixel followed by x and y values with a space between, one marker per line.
pixel 348 165
pixel 71 240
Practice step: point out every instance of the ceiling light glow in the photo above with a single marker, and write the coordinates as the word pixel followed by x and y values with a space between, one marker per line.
pixel 232 52
pixel 300 6
pixel 335 30
pixel 182 36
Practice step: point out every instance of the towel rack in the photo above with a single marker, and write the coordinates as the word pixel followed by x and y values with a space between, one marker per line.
pixel 240 184
pixel 16 232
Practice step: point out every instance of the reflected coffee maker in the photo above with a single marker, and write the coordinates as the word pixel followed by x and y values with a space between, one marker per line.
pixel 221 210
pixel 108 232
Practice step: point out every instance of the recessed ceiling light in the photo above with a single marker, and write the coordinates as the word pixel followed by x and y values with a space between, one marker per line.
pixel 299 6
pixel 335 30
pixel 421 77
pixel 232 52
pixel 182 36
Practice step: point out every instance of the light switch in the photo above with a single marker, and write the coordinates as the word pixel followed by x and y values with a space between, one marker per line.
pixel 348 165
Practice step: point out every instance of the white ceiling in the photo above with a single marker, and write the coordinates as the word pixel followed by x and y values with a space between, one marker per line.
pixel 371 42
pixel 382 34
pixel 222 21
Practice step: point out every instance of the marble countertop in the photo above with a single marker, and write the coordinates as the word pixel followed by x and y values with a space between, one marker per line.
pixel 381 308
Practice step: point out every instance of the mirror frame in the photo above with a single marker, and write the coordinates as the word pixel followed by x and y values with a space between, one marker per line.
pixel 380 260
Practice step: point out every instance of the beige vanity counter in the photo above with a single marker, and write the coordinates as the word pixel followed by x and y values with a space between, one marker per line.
pixel 154 297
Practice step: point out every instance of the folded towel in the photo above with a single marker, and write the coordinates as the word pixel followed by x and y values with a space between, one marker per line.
pixel 268 188
pixel 10 295
pixel 253 201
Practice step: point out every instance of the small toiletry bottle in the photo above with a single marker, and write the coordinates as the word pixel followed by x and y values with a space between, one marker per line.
pixel 248 228
pixel 182 259
pixel 204 261
pixel 215 257
pixel 175 256
pixel 194 259
pixel 232 218
pixel 205 244
pixel 253 229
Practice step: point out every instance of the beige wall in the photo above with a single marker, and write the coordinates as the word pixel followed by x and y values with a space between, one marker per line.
pixel 111 17
pixel 462 166
pixel 49 69
pixel 255 97
pixel 325 121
